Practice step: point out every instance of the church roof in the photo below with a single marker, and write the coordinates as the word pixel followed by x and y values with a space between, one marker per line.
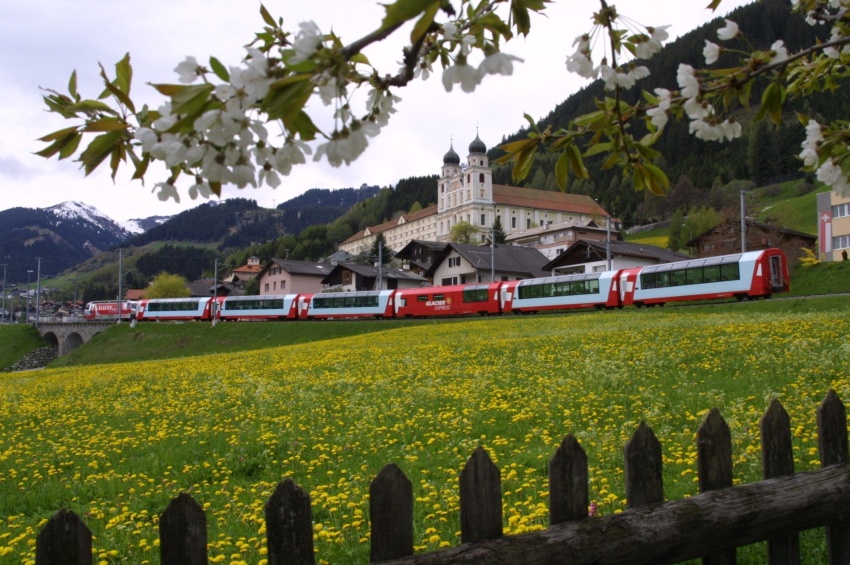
pixel 451 158
pixel 546 200
pixel 477 146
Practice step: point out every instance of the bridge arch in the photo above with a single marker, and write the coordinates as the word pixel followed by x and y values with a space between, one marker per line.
pixel 67 336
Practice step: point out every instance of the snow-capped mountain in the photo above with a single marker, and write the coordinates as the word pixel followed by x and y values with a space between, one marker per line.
pixel 60 236
pixel 79 211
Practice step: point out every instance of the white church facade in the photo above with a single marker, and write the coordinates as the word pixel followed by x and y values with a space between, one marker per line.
pixel 466 193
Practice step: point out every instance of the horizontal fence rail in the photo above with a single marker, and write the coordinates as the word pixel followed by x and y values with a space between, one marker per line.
pixel 709 525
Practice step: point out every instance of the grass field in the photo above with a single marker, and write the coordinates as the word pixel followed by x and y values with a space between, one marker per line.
pixel 114 442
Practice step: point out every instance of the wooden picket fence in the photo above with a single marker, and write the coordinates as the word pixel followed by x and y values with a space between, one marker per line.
pixel 709 525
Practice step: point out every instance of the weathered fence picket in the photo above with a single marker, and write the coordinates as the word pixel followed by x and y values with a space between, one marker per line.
pixel 777 458
pixel 708 525
pixel 714 468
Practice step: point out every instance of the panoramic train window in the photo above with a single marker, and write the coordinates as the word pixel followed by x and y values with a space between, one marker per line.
pixel 694 272
pixel 475 294
pixel 560 287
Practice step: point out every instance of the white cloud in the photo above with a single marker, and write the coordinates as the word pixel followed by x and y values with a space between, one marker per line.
pixel 51 40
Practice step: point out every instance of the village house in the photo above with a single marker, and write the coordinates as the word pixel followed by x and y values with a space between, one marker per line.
pixel 725 239
pixel 833 226
pixel 461 264
pixel 288 276
pixel 349 277
pixel 592 256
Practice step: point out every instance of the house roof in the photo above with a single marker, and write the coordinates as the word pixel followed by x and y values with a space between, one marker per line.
pixel 370 271
pixel 403 219
pixel 525 261
pixel 406 252
pixel 134 294
pixel 295 267
pixel 754 224
pixel 585 250
pixel 207 287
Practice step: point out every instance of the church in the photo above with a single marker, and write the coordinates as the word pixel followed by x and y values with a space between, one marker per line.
pixel 466 193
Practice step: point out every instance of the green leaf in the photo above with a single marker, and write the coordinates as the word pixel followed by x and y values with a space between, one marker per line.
pixel 303 124
pixel 597 148
pixel 404 10
pixel 771 102
pixel 219 69
pixel 520 16
pixel 106 124
pixel 576 162
pixel 424 23
pixel 59 134
pixel 141 167
pixel 191 99
pixel 286 100
pixel 659 181
pixel 266 18
pixel 124 74
pixel 562 170
pixel 713 5
pixel 99 149
pixel 117 92
pixel 91 106
pixel 72 86
pixel 524 162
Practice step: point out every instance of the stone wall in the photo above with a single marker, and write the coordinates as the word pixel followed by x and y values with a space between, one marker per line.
pixel 36 359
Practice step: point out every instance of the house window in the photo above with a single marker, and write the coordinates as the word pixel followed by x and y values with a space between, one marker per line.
pixel 841 210
pixel 528 223
pixel 266 287
pixel 481 178
pixel 841 242
pixel 483 220
pixel 274 285
pixel 513 223
pixel 454 261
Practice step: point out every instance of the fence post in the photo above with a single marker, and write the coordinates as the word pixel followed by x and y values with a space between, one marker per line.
pixel 568 496
pixel 714 468
pixel 832 444
pixel 778 461
pixel 391 513
pixel 480 499
pixel 289 526
pixel 183 533
pixel 642 467
pixel 64 540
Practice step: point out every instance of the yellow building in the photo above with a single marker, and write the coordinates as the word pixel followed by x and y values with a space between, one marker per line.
pixel 833 226
pixel 466 193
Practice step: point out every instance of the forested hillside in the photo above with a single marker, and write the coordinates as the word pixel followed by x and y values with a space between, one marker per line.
pixel 764 154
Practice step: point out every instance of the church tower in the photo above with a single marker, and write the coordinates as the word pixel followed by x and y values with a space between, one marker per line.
pixel 479 176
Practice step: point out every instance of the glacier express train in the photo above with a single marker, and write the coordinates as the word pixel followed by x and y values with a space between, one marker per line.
pixel 749 275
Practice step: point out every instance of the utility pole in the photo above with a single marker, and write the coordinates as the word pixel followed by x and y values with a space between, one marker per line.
pixel 608 242
pixel 215 292
pixel 120 277
pixel 380 265
pixel 27 306
pixel 38 293
pixel 3 312
pixel 743 223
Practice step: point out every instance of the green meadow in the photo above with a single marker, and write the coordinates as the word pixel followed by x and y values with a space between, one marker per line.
pixel 115 442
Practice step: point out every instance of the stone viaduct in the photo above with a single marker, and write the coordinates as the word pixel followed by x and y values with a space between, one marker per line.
pixel 67 336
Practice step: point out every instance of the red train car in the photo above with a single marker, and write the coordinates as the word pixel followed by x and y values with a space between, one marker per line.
pixel 341 305
pixel 263 307
pixel 456 300
pixel 107 310
pixel 754 274
pixel 193 308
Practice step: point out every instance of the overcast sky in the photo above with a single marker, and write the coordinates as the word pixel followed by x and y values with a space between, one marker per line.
pixel 43 42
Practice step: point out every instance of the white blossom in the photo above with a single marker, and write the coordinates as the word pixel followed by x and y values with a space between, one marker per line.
pixel 697 110
pixel 831 174
pixel 581 65
pixel 148 137
pixel 614 78
pixel 292 153
pixel 243 174
pixel 166 190
pixel 729 31
pixel 423 70
pixel 449 31
pixel 780 52
pixel 269 176
pixel 665 98
pixel 466 75
pixel 711 52
pixel 648 47
pixel 498 64
pixel 814 136
pixel 687 80
pixel 200 188
pixel 306 42
pixel 657 116
pixel 189 70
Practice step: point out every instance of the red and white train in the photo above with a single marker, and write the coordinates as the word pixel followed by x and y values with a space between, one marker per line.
pixel 107 310
pixel 750 275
